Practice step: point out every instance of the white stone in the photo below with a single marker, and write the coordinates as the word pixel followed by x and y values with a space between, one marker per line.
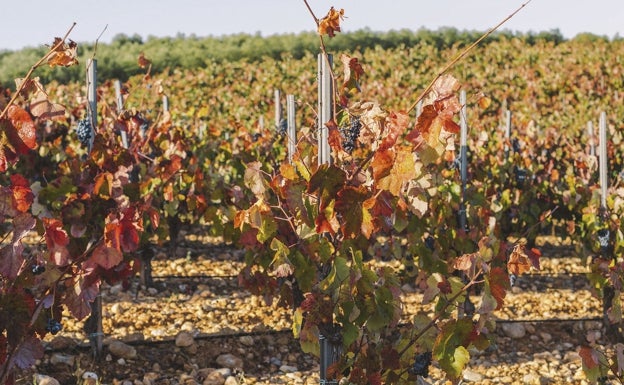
pixel 546 337
pixel 514 330
pixel 531 379
pixel 288 368
pixel 184 339
pixel 61 358
pixel 214 378
pixel 247 340
pixel 471 376
pixel 122 350
pixel 229 361
pixel 42 379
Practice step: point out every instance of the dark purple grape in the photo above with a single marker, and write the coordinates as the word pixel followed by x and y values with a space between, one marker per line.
pixel 53 326
pixel 37 268
pixel 84 131
pixel 421 365
pixel 430 242
pixel 350 134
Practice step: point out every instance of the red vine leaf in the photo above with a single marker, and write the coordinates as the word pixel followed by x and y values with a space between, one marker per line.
pixel 143 62
pixel 330 24
pixel 107 257
pixel 22 194
pixel 498 284
pixel 23 136
pixel 534 256
pixel 589 357
pixel 334 138
pixel 397 123
pixel 356 218
pixel 56 241
pixel 374 378
pixel 352 72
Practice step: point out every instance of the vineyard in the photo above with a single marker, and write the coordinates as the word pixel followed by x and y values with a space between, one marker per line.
pixel 399 220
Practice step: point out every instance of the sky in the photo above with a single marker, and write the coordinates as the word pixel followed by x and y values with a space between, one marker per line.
pixel 37 22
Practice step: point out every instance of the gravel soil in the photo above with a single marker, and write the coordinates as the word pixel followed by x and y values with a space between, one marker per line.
pixel 196 326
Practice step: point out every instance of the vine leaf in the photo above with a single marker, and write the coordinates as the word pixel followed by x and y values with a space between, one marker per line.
pixel 496 286
pixel 254 179
pixel 330 24
pixel 402 170
pixel 23 136
pixel 81 295
pixel 396 124
pixel 356 217
pixel 593 363
pixel 64 54
pixel 22 194
pixel 352 72
pixel 143 62
pixel 519 262
pixel 56 241
pixel 40 104
pixel 450 346
pixel 435 124
pixel 28 352
pixel 107 257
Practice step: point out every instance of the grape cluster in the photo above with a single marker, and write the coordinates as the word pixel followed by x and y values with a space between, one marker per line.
pixel 512 280
pixel 350 134
pixel 53 326
pixel 84 131
pixel 430 243
pixel 282 127
pixel 37 268
pixel 421 365
pixel 515 144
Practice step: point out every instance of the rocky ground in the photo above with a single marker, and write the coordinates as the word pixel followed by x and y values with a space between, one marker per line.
pixel 205 330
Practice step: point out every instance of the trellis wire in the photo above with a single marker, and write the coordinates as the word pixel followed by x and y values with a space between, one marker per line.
pixel 291 133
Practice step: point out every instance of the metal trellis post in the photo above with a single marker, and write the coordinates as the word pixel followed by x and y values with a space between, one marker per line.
pixel 325 106
pixel 291 131
pixel 119 99
pixel 95 330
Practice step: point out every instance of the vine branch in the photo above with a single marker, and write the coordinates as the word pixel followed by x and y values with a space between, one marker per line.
pixel 463 54
pixel 38 64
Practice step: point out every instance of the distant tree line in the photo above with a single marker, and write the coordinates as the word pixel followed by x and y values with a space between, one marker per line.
pixel 118 60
